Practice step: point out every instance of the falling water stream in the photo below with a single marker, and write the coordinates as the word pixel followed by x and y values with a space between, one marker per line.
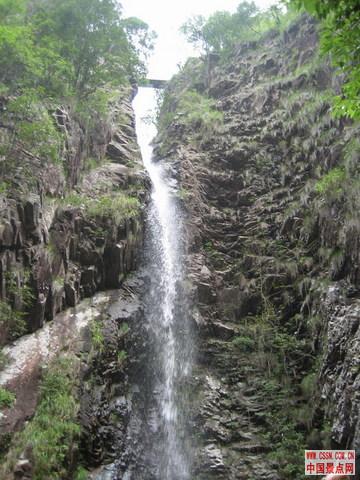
pixel 164 433
pixel 166 306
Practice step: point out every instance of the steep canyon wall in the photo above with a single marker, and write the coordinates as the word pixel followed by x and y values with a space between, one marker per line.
pixel 65 230
pixel 270 187
pixel 268 180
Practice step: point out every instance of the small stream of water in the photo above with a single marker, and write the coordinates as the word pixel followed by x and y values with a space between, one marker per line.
pixel 166 307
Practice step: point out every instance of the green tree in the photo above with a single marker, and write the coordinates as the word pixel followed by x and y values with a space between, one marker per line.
pixel 222 29
pixel 20 60
pixel 340 37
pixel 12 11
pixel 17 60
pixel 69 47
pixel 193 29
pixel 72 50
pixel 141 42
pixel 92 40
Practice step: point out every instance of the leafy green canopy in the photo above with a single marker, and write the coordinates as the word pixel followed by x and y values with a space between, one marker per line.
pixel 69 47
pixel 340 37
pixel 222 30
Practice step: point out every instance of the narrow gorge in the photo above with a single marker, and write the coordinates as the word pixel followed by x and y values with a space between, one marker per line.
pixel 180 287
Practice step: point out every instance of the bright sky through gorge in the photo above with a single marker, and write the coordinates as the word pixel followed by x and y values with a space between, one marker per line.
pixel 166 17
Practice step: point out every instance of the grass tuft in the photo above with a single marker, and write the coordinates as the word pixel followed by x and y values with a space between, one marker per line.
pixel 52 434
pixel 7 398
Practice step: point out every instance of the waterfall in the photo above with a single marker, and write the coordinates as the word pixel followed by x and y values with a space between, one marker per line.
pixel 166 307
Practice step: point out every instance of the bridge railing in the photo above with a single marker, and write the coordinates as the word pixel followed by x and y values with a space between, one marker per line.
pixel 153 83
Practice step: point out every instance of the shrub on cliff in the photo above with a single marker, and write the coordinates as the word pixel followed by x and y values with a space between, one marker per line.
pixel 340 36
pixel 332 183
pixel 50 437
pixel 14 309
pixel 7 398
pixel 11 321
pixel 116 206
pixel 199 109
pixel 193 109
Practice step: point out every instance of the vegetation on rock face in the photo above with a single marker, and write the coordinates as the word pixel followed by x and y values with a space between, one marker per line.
pixel 33 128
pixel 97 335
pixel 190 108
pixel 340 185
pixel 332 183
pixel 50 438
pixel 121 357
pixel 3 359
pixel 118 206
pixel 340 36
pixel 11 321
pixel 7 398
pixel 278 182
pixel 282 354
pixel 199 109
pixel 14 309
pixel 70 52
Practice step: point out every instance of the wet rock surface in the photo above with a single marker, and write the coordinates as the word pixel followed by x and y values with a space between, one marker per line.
pixel 106 399
pixel 116 391
pixel 29 355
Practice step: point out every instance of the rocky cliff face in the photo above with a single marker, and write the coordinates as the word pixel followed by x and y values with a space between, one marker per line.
pixel 273 232
pixel 71 228
pixel 68 230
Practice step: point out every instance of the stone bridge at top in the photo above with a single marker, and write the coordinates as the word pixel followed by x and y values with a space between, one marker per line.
pixel 153 83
